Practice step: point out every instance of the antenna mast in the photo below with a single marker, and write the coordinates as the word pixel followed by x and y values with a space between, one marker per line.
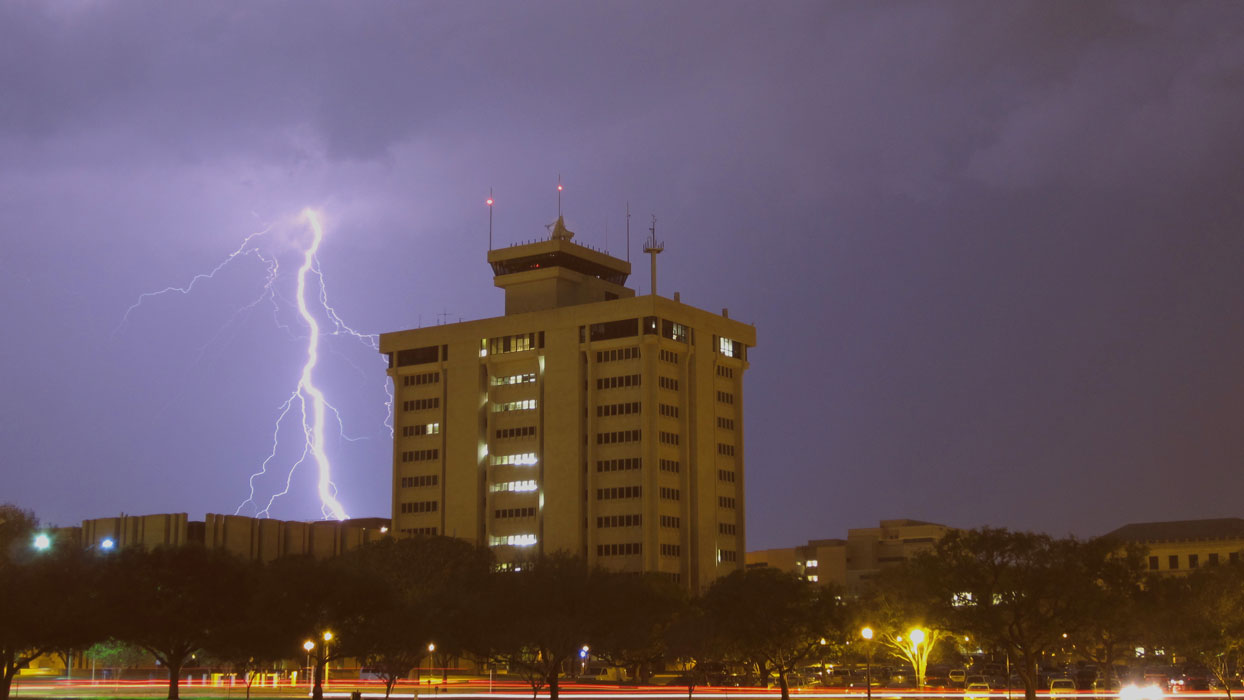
pixel 489 203
pixel 559 195
pixel 628 231
pixel 652 247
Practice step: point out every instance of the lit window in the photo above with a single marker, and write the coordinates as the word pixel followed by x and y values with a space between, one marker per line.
pixel 526 378
pixel 525 459
pixel 810 564
pixel 814 578
pixel 526 405
pixel 520 486
pixel 515 540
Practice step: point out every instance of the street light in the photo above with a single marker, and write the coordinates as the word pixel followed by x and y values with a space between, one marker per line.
pixel 431 648
pixel 867 634
pixel 42 542
pixel 309 645
pixel 328 637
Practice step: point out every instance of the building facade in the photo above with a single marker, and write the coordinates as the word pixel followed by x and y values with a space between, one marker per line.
pixel 585 420
pixel 850 563
pixel 1179 546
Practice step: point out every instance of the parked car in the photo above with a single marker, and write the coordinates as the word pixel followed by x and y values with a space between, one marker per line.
pixel 977 691
pixel 958 676
pixel 1063 686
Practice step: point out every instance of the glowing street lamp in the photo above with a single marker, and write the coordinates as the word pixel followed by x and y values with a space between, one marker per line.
pixel 867 634
pixel 328 637
pixel 309 645
pixel 42 542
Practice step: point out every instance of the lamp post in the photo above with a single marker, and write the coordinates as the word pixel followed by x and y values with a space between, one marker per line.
pixel 431 649
pixel 328 637
pixel 309 645
pixel 867 634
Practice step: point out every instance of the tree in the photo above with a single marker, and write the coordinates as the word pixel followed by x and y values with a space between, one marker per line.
pixel 172 601
pixel 47 600
pixel 1204 615
pixel 772 619
pixel 903 613
pixel 431 588
pixel 323 602
pixel 257 636
pixel 1110 618
pixel 914 646
pixel 1021 591
pixel 541 617
pixel 632 629
pixel 118 655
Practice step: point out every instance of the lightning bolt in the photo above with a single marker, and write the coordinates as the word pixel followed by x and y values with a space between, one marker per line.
pixel 306 387
pixel 244 249
pixel 306 400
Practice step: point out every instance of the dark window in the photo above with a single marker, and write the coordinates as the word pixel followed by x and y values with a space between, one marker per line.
pixel 1153 563
pixel 625 328
pixel 418 356
pixel 1173 560
pixel 1193 561
pixel 1213 559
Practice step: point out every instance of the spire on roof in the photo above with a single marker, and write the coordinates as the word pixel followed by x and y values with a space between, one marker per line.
pixel 560 232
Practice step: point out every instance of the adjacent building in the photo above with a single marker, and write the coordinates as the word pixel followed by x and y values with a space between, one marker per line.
pixel 586 419
pixel 1179 546
pixel 862 555
pixel 260 539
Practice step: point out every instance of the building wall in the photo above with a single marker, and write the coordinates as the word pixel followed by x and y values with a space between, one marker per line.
pixel 147 531
pixel 1182 557
pixel 261 539
pixel 1179 546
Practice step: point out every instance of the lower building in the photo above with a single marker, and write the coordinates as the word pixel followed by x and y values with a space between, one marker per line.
pixel 260 539
pixel 862 555
pixel 1179 546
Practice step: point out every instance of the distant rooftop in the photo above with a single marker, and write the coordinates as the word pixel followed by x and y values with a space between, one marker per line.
pixel 1181 530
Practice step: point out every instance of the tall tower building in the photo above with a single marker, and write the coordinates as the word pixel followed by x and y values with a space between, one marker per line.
pixel 586 419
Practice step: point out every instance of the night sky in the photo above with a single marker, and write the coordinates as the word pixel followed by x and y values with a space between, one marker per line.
pixel 994 252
